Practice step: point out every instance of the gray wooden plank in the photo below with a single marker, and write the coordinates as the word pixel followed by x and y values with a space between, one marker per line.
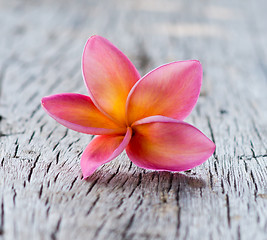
pixel 43 195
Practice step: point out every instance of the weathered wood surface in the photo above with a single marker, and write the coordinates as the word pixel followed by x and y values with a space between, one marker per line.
pixel 42 192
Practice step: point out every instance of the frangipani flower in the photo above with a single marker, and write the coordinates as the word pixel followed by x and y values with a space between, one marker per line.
pixel 142 115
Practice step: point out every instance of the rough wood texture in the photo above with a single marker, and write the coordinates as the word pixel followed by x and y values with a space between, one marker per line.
pixel 42 193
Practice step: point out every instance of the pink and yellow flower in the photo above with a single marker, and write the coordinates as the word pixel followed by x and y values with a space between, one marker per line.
pixel 142 115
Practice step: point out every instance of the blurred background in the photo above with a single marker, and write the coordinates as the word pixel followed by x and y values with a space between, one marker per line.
pixel 228 37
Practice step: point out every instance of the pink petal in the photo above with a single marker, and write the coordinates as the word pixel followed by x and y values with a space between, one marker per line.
pixel 109 76
pixel 77 112
pixel 170 90
pixel 103 149
pixel 162 143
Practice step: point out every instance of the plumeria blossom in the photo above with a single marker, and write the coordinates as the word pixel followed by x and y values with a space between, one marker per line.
pixel 142 115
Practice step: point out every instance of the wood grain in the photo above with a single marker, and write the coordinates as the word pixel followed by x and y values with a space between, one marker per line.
pixel 42 194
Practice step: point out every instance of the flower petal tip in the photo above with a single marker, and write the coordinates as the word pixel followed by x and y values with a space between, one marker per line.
pixel 170 90
pixel 78 112
pixel 86 174
pixel 103 149
pixel 43 101
pixel 168 144
pixel 109 76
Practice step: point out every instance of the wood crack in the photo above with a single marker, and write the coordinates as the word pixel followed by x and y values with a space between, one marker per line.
pixel 212 137
pixel 128 226
pixel 91 187
pixel 32 97
pixel 170 182
pixel 34 165
pixel 140 199
pixel 113 175
pixel 50 134
pixel 16 149
pixel 57 157
pixel 178 218
pixel 93 205
pixel 211 179
pixel 2 218
pixel 244 157
pixel 35 111
pixel 99 229
pixel 55 179
pixel 211 130
pixel 48 167
pixel 255 184
pixel 228 211
pixel 73 142
pixel 65 134
pixel 54 234
pixel 137 185
pixel 41 191
pixel 14 195
pixel 72 183
pixel 31 137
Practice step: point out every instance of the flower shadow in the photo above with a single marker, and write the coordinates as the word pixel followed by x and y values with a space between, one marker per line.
pixel 140 181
